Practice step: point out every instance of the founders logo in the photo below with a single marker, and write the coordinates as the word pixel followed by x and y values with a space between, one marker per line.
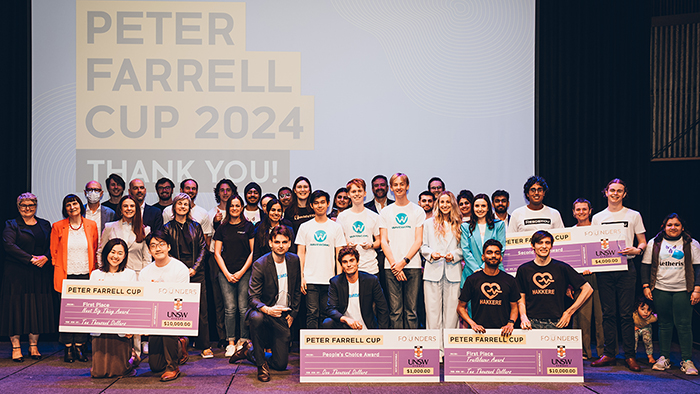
pixel 491 290
pixel 542 280
pixel 320 236
pixel 402 219
pixel 177 304
pixel 358 227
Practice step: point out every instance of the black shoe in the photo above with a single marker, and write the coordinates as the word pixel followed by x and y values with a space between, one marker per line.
pixel 79 353
pixel 68 354
pixel 240 354
pixel 264 373
pixel 34 356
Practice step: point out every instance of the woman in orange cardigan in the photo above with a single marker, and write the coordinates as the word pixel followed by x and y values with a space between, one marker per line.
pixel 74 242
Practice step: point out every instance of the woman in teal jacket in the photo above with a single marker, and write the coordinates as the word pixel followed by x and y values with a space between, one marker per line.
pixel 482 226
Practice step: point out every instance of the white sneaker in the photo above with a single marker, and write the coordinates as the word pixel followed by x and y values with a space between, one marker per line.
pixel 144 347
pixel 662 364
pixel 230 349
pixel 688 367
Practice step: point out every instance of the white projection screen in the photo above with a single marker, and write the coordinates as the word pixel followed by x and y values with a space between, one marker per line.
pixel 268 90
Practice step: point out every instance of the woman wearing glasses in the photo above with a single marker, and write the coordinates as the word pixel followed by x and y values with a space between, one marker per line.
pixel 27 304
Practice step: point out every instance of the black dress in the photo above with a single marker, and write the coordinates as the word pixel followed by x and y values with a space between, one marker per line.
pixel 27 299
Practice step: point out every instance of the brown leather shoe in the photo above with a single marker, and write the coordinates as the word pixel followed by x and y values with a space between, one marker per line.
pixel 185 356
pixel 605 361
pixel 170 375
pixel 632 364
pixel 241 354
pixel 264 373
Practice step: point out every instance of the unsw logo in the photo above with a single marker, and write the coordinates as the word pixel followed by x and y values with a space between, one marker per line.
pixel 417 359
pixel 358 227
pixel 320 236
pixel 177 306
pixel 402 219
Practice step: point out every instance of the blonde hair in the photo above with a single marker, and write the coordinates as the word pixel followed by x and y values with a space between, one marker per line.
pixel 398 175
pixel 453 218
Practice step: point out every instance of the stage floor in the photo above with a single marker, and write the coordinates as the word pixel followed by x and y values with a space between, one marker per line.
pixel 213 376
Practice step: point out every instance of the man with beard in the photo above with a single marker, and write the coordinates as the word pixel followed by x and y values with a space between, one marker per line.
pixel 379 190
pixel 436 186
pixel 252 195
pixel 426 200
pixel 164 189
pixel 493 293
pixel 501 202
pixel 151 216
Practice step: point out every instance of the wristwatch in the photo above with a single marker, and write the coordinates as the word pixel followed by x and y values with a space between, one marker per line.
pixel 407 260
pixel 511 321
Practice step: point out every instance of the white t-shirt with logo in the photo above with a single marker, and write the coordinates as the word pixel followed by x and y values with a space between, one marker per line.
pixel 173 272
pixel 630 218
pixel 401 224
pixel 525 219
pixel 354 311
pixel 320 240
pixel 671 272
pixel 359 228
pixel 282 284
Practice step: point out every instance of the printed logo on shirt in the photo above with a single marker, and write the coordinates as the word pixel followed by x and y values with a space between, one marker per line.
pixel 354 295
pixel 543 280
pixel 284 275
pixel 671 251
pixel 490 290
pixel 528 222
pixel 358 227
pixel 624 222
pixel 402 219
pixel 320 236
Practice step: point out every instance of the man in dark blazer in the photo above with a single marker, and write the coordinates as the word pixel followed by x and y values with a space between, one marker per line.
pixel 353 309
pixel 380 188
pixel 274 295
pixel 152 216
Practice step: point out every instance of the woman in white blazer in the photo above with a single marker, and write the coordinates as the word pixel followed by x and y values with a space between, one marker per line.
pixel 443 263
pixel 129 227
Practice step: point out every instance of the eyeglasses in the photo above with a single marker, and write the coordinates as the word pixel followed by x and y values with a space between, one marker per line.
pixel 27 206
pixel 285 195
pixel 159 245
pixel 164 188
pixel 93 190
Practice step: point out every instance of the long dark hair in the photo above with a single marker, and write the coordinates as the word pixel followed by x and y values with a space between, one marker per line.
pixel 293 205
pixel 489 212
pixel 685 234
pixel 136 221
pixel 104 267
pixel 266 224
pixel 227 217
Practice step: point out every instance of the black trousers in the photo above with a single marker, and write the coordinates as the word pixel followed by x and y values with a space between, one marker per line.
pixel 217 299
pixel 269 331
pixel 202 341
pixel 617 299
pixel 164 352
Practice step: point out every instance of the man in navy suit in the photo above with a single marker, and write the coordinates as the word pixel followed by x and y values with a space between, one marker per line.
pixel 380 188
pixel 274 295
pixel 152 217
pixel 352 294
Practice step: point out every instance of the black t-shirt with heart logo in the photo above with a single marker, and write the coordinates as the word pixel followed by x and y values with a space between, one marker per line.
pixel 545 287
pixel 491 297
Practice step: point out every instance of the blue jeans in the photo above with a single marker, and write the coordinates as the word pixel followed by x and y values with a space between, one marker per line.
pixel 235 297
pixel 403 298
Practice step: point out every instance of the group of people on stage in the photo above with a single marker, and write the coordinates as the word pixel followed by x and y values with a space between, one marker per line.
pixel 272 260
